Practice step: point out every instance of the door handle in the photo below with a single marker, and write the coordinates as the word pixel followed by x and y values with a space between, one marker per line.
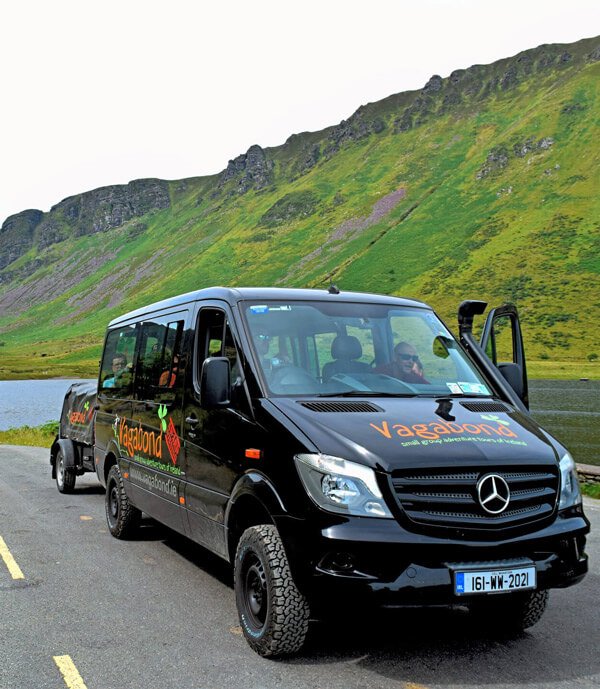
pixel 192 421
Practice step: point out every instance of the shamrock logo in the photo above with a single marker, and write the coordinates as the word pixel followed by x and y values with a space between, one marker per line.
pixel 86 406
pixel 493 417
pixel 162 412
pixel 115 426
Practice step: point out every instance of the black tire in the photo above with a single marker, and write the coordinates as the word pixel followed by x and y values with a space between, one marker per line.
pixel 273 613
pixel 121 516
pixel 511 613
pixel 65 476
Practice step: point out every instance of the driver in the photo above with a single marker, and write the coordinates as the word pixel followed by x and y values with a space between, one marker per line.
pixel 262 343
pixel 406 365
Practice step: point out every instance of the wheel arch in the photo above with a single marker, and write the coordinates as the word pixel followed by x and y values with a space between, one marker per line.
pixel 254 501
pixel 67 447
pixel 53 452
pixel 109 461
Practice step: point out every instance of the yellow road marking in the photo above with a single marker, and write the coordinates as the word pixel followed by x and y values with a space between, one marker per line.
pixel 9 561
pixel 85 518
pixel 412 685
pixel 69 672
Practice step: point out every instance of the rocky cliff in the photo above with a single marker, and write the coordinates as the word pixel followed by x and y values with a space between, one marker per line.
pixel 93 211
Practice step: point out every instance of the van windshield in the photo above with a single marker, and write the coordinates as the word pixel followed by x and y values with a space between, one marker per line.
pixel 340 348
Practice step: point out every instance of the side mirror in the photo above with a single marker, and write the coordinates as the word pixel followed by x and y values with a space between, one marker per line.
pixel 513 375
pixel 440 347
pixel 215 383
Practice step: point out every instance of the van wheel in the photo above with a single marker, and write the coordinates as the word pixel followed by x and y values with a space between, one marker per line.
pixel 273 613
pixel 122 517
pixel 512 613
pixel 65 476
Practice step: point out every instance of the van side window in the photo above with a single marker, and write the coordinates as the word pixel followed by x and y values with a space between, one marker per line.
pixel 116 369
pixel 158 367
pixel 215 339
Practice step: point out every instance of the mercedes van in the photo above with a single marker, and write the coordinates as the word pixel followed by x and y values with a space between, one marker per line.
pixel 331 444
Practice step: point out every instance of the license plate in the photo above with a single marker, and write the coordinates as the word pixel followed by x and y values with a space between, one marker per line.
pixel 493 581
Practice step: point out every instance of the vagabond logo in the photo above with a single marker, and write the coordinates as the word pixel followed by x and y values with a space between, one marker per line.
pixel 437 429
pixel 79 418
pixel 136 439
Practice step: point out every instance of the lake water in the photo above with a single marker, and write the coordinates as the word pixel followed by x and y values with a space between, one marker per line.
pixel 570 410
pixel 31 402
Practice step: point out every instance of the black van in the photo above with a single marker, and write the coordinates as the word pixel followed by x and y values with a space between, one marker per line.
pixel 330 443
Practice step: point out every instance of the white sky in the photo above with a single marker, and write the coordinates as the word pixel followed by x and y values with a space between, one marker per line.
pixel 99 93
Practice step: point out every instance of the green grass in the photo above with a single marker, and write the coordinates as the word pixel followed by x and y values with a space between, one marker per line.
pixel 592 490
pixel 36 436
pixel 563 370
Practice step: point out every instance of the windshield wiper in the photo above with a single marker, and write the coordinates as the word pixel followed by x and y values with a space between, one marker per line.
pixel 366 393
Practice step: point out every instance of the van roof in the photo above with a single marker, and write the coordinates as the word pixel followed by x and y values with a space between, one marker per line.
pixel 233 295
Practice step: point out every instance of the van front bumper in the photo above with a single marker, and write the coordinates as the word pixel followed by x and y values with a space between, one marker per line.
pixel 378 558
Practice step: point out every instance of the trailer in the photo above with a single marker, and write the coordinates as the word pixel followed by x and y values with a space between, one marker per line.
pixel 72 452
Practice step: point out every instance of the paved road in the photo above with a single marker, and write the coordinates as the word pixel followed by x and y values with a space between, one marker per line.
pixel 159 613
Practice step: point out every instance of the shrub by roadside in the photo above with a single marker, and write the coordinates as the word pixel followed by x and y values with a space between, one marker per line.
pixel 37 436
pixel 592 490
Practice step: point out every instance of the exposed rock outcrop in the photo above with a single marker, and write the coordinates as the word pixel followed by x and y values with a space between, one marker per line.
pixel 499 157
pixel 355 128
pixel 109 207
pixel 481 81
pixel 250 170
pixel 594 56
pixel 16 235
pixel 93 211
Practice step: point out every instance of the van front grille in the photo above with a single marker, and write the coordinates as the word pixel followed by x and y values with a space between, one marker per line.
pixel 431 497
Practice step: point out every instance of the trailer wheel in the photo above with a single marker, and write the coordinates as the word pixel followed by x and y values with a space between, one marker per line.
pixel 65 476
pixel 511 613
pixel 122 517
pixel 273 613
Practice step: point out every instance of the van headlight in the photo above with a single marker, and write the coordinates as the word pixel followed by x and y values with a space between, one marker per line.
pixel 338 485
pixel 569 485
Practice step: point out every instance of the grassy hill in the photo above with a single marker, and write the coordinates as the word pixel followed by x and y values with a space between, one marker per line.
pixel 481 185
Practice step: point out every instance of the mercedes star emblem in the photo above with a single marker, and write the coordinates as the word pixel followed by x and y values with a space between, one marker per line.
pixel 493 493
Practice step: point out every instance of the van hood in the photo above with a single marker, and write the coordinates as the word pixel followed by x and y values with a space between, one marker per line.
pixel 394 433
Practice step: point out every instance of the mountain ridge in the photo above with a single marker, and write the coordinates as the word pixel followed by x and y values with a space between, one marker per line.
pixel 477 150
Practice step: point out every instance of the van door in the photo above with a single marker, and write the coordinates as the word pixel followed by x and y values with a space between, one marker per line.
pixel 155 469
pixel 115 391
pixel 215 439
pixel 502 341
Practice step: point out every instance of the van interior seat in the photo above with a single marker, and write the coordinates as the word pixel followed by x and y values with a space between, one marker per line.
pixel 345 350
